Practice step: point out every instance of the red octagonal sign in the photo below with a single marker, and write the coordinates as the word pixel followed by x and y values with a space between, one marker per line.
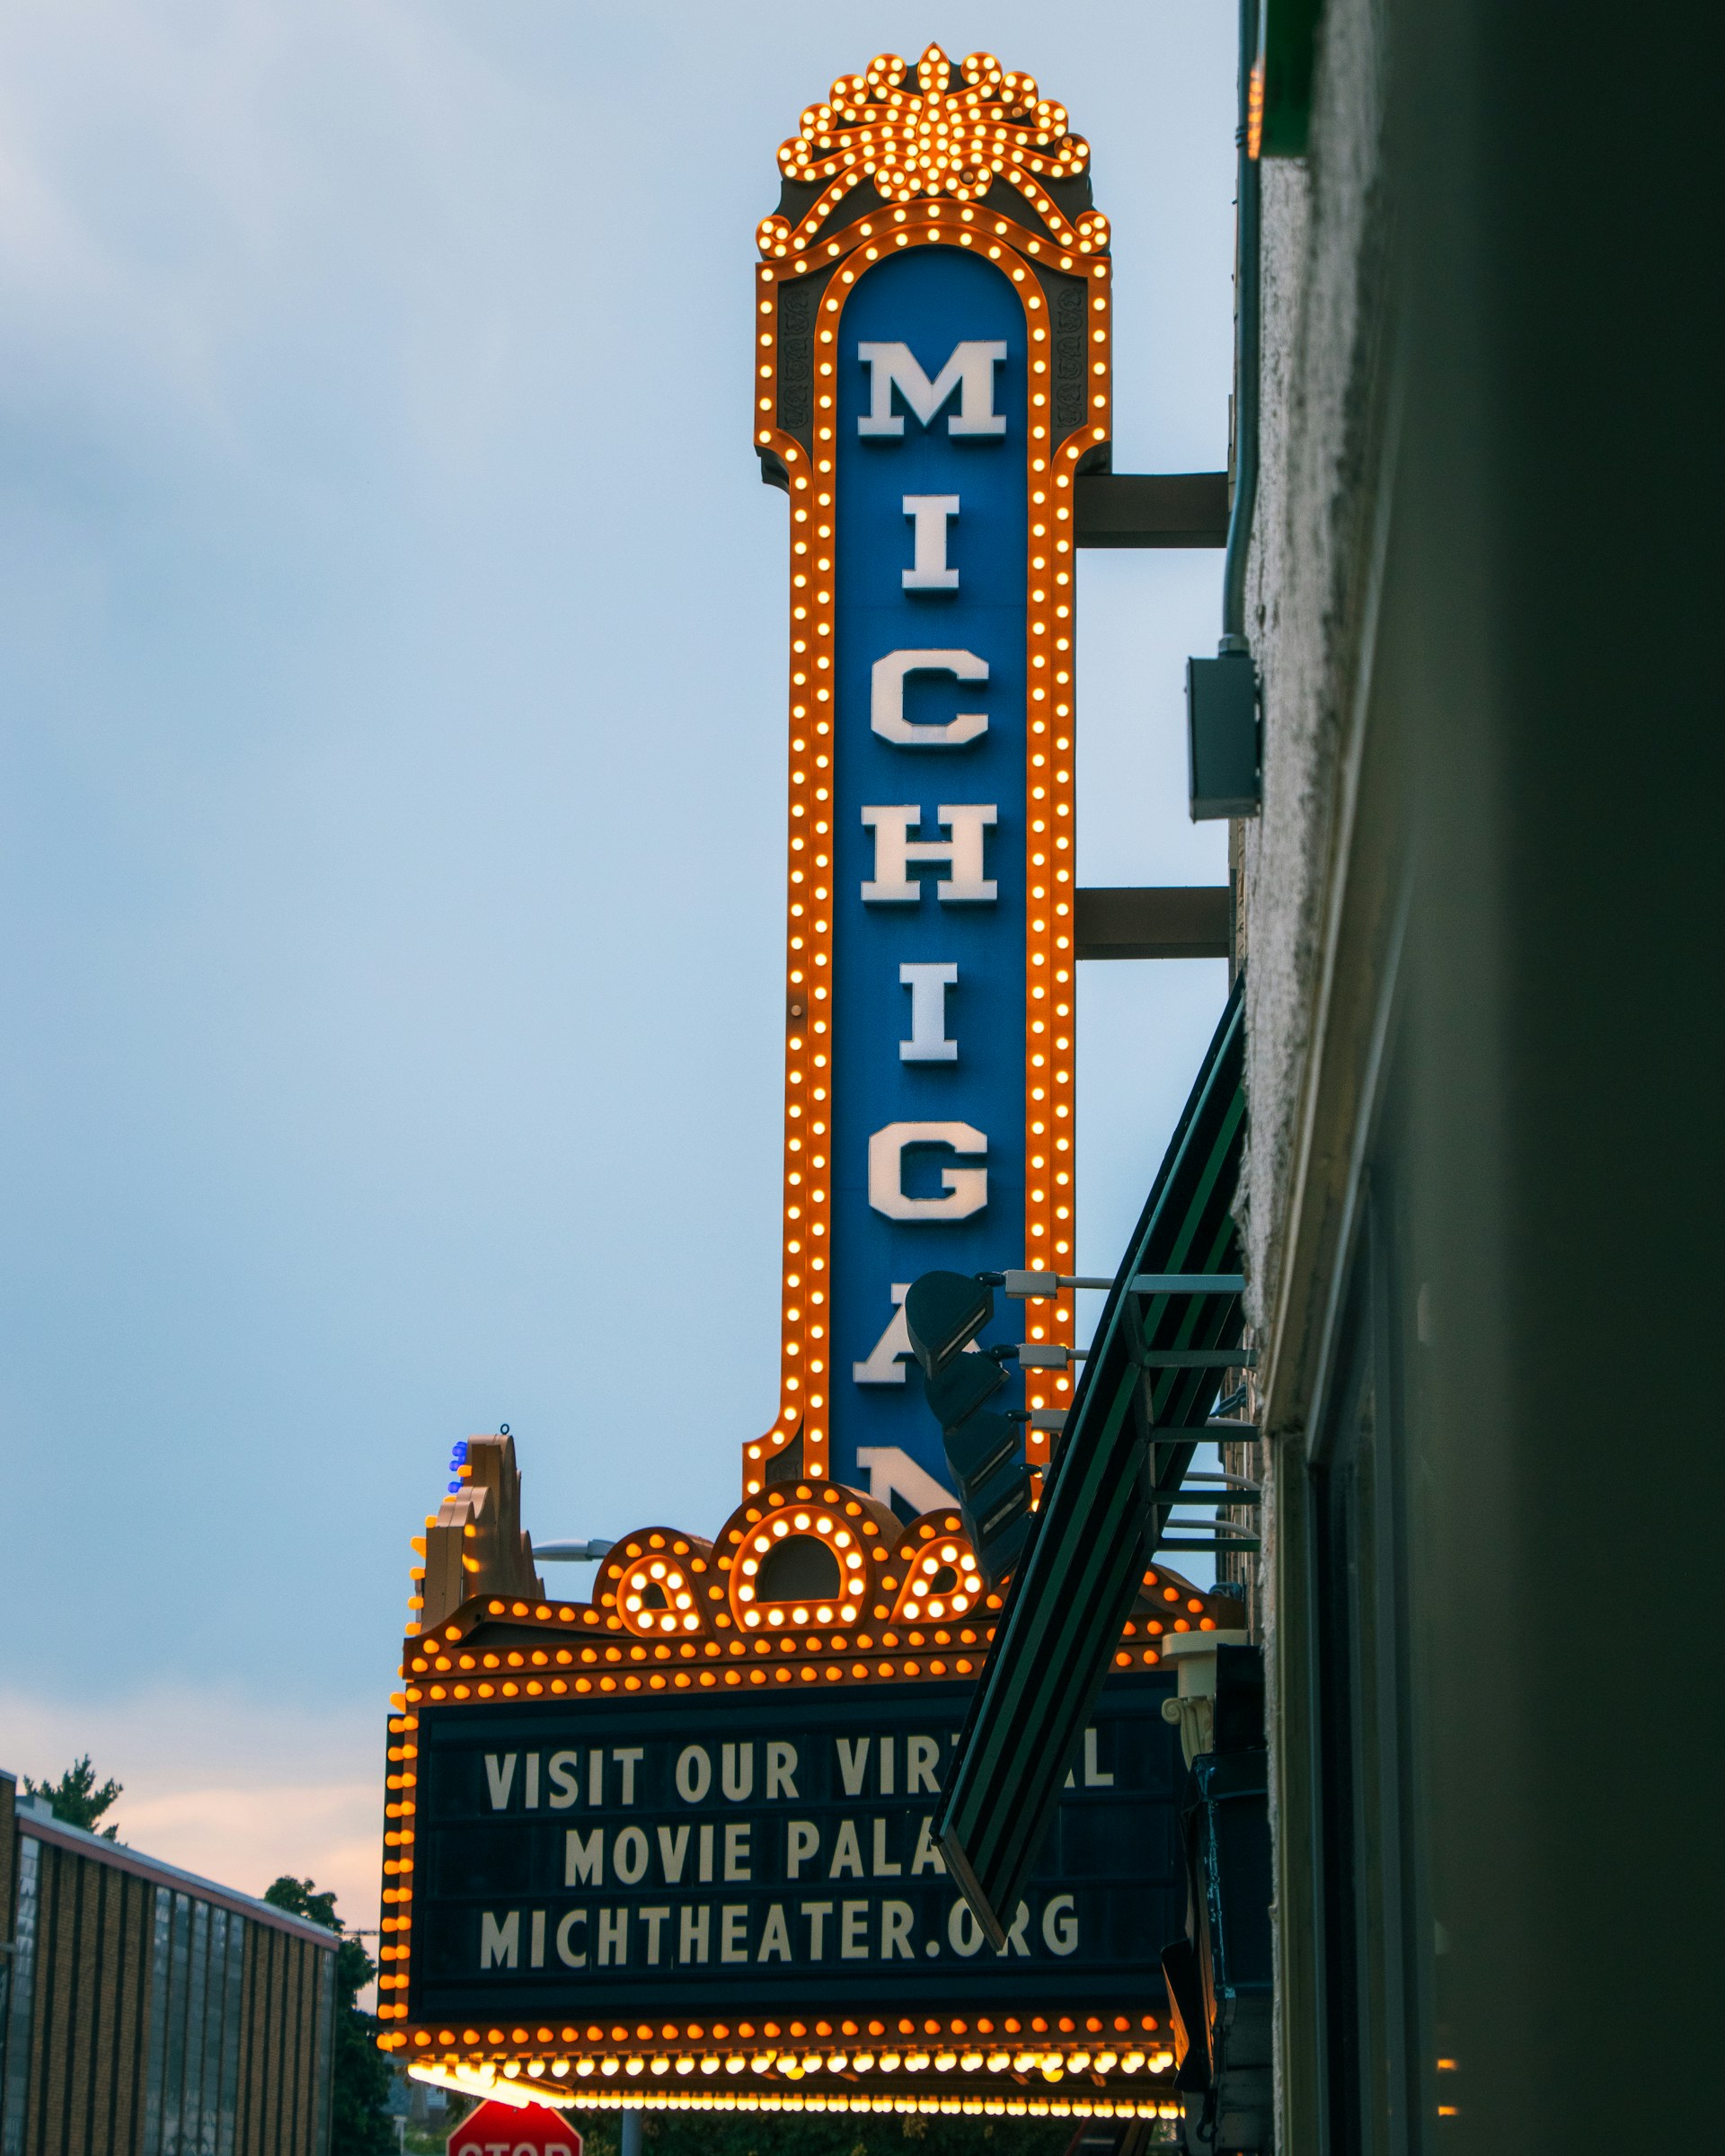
pixel 503 2130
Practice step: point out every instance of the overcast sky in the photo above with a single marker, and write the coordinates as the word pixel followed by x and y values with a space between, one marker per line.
pixel 391 818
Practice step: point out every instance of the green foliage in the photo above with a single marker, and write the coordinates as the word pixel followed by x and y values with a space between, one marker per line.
pixel 826 2133
pixel 77 1800
pixel 358 2124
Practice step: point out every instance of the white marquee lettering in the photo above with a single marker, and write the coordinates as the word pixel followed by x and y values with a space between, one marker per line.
pixel 500 1945
pixel 737 1770
pixel 584 1858
pixel 895 850
pixel 847 1854
pixel 1060 1925
pixel 930 514
pixel 964 1933
pixel 891 1471
pixel 853 1756
pixel 887 699
pixel 627 1756
pixel 1015 1937
pixel 895 1931
pixel 928 1857
pixel 920 1755
pixel 928 1042
pixel 966 1188
pixel 970 371
pixel 884 1366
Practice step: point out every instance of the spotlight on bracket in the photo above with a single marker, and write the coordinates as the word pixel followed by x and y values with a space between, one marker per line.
pixel 985 1449
pixel 943 1313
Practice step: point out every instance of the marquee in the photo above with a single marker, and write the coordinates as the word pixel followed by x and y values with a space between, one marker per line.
pixel 672 1846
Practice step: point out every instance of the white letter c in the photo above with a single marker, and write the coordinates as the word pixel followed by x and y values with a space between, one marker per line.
pixel 887 699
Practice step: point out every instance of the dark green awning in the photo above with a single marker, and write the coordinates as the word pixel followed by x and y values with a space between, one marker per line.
pixel 1150 1382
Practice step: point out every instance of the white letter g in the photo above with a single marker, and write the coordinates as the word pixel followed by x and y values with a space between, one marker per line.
pixel 967 1188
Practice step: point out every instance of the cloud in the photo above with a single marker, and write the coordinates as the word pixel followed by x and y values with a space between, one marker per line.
pixel 327 1831
pixel 232 207
pixel 222 1786
pixel 390 623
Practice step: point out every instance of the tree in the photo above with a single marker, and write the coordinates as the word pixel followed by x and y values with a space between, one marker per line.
pixel 360 2080
pixel 77 1800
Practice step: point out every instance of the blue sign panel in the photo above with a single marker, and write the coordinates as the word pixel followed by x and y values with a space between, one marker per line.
pixel 929 763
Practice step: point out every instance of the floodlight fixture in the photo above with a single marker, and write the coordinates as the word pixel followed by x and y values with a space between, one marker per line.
pixel 944 1312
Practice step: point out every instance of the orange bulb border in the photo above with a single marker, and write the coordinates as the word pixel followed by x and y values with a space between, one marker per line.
pixel 498 1650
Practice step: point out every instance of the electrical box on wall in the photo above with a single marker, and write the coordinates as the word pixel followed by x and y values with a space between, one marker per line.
pixel 1221 736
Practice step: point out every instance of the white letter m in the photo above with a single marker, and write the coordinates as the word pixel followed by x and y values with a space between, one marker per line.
pixel 500 1945
pixel 970 371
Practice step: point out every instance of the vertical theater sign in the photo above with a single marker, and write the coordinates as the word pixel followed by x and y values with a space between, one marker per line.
pixel 933 308
pixel 675 1846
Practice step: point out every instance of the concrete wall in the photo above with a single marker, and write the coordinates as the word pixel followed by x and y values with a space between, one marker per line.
pixel 1483 593
pixel 1308 577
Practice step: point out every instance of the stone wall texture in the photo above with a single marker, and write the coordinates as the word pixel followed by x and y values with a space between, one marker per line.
pixel 1323 326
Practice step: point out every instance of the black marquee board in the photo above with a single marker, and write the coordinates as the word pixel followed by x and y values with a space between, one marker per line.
pixel 747 1856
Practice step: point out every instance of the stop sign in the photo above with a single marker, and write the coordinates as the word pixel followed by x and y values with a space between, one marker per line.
pixel 502 2130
